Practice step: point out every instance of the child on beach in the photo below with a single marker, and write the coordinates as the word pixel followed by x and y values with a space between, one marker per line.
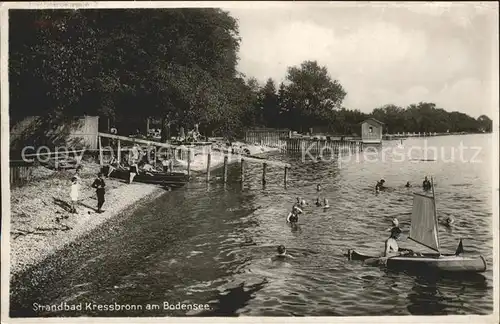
pixel 75 186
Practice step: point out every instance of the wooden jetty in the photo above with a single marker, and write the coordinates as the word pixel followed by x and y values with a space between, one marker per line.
pixel 189 153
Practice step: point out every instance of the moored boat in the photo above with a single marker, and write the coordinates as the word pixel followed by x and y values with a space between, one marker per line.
pixel 424 231
pixel 164 178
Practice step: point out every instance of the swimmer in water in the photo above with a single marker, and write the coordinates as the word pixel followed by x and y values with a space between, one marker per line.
pixel 293 216
pixel 318 188
pixel 318 203
pixel 300 202
pixel 380 185
pixel 408 185
pixel 325 203
pixel 448 222
pixel 282 255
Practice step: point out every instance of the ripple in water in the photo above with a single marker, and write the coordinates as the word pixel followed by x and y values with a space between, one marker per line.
pixel 215 246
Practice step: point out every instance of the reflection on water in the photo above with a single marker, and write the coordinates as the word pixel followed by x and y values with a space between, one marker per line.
pixel 214 245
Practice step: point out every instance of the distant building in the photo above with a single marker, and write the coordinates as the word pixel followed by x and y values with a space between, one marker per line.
pixel 371 131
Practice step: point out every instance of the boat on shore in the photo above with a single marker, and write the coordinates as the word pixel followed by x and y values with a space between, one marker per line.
pixel 172 179
pixel 424 231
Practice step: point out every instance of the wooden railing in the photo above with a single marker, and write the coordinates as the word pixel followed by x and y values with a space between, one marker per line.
pixel 228 158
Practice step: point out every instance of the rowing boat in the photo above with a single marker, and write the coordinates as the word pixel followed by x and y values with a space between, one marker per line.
pixel 424 231
pixel 163 178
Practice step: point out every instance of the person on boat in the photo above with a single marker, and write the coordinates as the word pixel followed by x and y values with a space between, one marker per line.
pixel 395 223
pixel 391 245
pixel 408 185
pixel 282 255
pixel 325 203
pixel 426 184
pixel 147 168
pixel 133 171
pixel 113 165
pixel 380 185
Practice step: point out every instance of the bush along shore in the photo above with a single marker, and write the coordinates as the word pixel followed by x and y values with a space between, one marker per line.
pixel 41 221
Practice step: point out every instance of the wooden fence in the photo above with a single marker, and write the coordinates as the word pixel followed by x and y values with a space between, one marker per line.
pixel 303 145
pixel 268 137
pixel 20 172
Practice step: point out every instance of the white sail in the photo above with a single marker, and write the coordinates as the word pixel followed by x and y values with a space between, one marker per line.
pixel 423 222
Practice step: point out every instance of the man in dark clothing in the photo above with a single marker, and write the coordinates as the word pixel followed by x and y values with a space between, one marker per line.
pixel 426 184
pixel 99 186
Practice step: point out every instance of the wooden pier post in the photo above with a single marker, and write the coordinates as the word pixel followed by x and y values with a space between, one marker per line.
pixel 100 151
pixel 119 153
pixel 189 163
pixel 154 152
pixel 286 175
pixel 264 168
pixel 225 168
pixel 242 170
pixel 209 157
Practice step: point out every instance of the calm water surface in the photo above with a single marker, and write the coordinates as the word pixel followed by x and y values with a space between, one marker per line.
pixel 213 244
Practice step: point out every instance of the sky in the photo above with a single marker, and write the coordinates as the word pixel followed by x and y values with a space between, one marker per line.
pixel 381 53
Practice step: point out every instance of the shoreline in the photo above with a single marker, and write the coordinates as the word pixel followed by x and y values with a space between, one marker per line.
pixel 41 224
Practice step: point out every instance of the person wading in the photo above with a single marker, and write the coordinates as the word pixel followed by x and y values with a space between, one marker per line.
pixel 426 184
pixel 99 186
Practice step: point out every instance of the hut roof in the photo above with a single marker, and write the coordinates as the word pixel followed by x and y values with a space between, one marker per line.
pixel 374 120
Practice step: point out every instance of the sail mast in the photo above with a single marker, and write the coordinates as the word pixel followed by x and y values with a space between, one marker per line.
pixel 435 211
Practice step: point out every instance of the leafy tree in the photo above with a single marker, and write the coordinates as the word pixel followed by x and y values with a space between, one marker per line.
pixel 485 123
pixel 270 107
pixel 426 117
pixel 312 95
pixel 177 64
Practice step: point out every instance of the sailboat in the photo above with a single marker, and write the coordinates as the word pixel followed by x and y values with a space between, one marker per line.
pixel 424 231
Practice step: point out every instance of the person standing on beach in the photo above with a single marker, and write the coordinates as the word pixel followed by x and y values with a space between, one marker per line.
pixel 75 187
pixel 99 186
pixel 134 170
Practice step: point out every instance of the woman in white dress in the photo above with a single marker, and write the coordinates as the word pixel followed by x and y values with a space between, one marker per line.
pixel 75 188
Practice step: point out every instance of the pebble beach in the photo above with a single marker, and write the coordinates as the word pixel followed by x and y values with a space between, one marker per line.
pixel 40 218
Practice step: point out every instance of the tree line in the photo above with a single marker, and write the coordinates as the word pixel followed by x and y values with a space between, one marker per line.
pixel 179 66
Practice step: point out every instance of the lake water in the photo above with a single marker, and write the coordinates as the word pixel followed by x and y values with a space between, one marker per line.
pixel 213 244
